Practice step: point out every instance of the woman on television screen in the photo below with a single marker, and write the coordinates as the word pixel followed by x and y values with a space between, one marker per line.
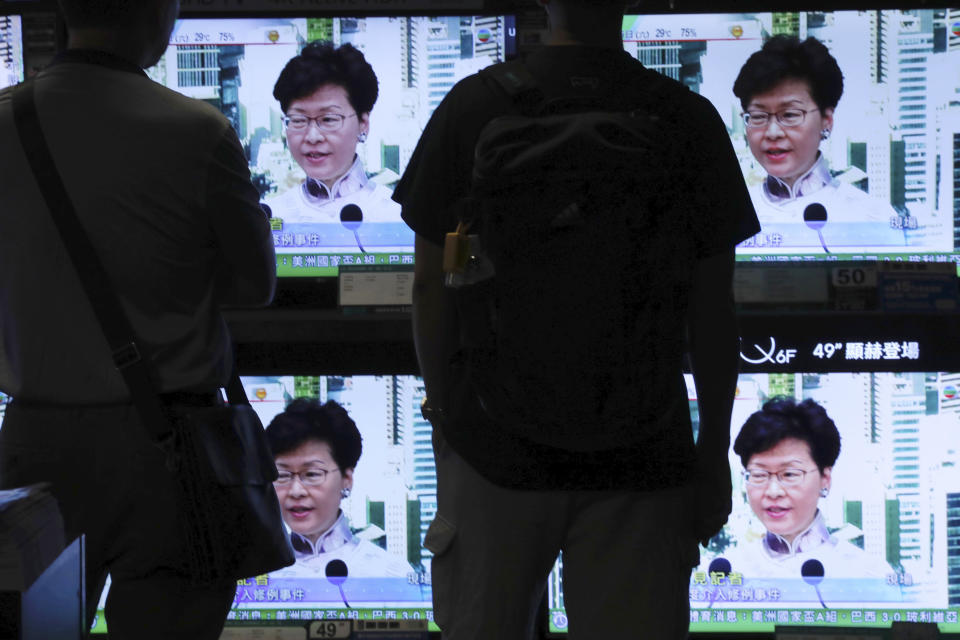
pixel 788 450
pixel 326 94
pixel 789 90
pixel 316 448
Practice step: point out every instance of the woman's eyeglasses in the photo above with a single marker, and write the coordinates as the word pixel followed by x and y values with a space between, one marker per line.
pixel 786 118
pixel 326 122
pixel 309 478
pixel 786 477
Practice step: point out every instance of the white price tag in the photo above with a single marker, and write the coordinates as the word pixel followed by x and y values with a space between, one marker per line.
pixel 404 628
pixel 327 629
pixel 827 633
pixel 914 631
pixel 376 287
pixel 767 283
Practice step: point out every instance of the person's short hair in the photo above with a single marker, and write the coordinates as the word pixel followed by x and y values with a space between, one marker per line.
pixel 100 13
pixel 787 57
pixel 782 418
pixel 320 63
pixel 305 419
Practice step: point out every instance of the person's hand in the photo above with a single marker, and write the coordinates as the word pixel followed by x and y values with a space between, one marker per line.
pixel 713 500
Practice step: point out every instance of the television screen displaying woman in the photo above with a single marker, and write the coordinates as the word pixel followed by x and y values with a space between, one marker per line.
pixel 789 91
pixel 326 94
pixel 788 450
pixel 316 448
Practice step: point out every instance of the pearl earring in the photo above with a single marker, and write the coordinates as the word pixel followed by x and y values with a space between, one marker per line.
pixel 345 492
pixel 362 137
pixel 824 492
pixel 824 134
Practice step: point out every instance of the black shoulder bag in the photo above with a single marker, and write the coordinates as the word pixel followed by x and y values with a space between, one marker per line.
pixel 230 515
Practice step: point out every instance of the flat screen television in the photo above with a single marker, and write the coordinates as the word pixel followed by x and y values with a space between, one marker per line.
pixel 893 507
pixel 893 154
pixel 391 505
pixel 11 50
pixel 894 501
pixel 234 64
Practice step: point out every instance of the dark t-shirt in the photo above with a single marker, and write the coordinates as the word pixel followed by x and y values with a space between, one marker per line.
pixel 704 185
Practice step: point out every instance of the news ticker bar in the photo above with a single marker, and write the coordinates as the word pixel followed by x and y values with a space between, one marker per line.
pixel 828 624
pixel 318 265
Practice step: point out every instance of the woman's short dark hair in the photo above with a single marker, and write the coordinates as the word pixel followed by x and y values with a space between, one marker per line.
pixel 782 418
pixel 305 419
pixel 787 57
pixel 321 63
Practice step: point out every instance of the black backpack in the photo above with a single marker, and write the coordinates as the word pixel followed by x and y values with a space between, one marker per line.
pixel 570 200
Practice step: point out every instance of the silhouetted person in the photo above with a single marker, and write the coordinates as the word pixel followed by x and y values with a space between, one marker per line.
pixel 160 183
pixel 627 507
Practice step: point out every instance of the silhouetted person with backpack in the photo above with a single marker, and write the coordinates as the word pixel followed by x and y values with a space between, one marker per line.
pixel 576 217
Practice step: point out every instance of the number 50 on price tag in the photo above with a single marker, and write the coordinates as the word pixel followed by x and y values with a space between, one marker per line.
pixel 854 276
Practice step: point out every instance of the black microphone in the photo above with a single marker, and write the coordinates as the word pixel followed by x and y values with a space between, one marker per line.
pixel 812 572
pixel 815 215
pixel 351 217
pixel 337 574
pixel 718 565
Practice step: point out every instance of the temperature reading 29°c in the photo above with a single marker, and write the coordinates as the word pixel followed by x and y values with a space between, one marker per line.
pixel 825 350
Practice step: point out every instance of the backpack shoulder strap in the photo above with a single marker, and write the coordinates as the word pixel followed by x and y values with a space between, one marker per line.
pixel 512 76
pixel 516 83
pixel 650 88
